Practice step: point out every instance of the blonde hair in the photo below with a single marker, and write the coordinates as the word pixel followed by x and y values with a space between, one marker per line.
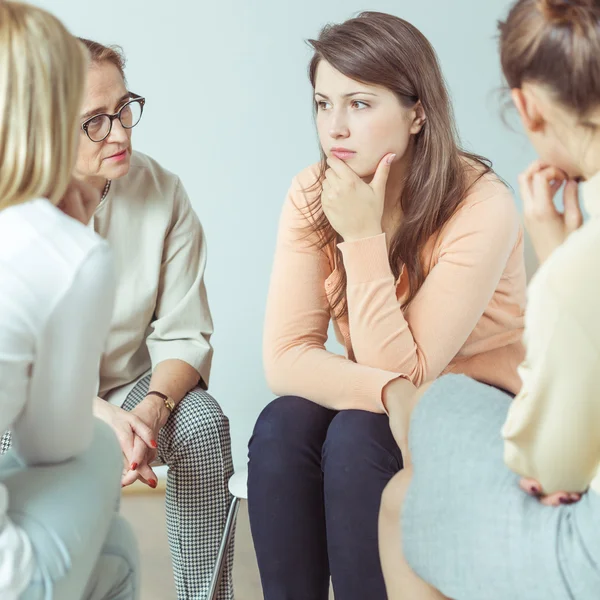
pixel 43 69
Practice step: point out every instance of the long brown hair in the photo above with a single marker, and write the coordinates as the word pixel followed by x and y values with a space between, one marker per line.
pixel 555 43
pixel 381 49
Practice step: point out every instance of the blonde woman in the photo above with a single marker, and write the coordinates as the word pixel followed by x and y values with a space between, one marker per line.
pixel 60 536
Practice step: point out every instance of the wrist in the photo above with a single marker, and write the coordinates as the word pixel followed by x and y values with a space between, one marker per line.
pixel 158 409
pixel 364 234
pixel 101 409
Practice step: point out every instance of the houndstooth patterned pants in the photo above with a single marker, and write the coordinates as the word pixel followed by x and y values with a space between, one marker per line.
pixel 195 445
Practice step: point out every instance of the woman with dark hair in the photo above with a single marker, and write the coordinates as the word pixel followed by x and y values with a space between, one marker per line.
pixel 467 528
pixel 413 248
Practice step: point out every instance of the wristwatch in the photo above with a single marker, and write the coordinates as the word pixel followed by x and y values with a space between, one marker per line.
pixel 169 402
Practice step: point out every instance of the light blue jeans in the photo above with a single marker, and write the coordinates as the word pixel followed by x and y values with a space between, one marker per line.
pixel 83 549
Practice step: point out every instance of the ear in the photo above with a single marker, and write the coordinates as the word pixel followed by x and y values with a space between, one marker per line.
pixel 528 108
pixel 419 118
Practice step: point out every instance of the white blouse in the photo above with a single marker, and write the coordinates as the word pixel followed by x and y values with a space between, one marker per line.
pixel 57 283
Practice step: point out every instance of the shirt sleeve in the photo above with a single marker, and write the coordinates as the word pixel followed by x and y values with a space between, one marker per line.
pixel 551 433
pixel 56 422
pixel 420 342
pixel 183 324
pixel 297 318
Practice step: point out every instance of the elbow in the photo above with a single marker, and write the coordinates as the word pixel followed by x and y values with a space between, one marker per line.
pixel 273 371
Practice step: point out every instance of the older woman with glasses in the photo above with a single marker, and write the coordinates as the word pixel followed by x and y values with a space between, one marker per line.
pixel 155 371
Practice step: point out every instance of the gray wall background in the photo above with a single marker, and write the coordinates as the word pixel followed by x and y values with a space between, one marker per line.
pixel 229 110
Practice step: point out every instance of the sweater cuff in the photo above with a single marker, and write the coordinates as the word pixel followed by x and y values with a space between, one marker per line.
pixel 366 260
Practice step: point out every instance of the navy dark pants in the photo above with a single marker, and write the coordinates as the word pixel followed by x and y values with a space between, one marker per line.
pixel 315 480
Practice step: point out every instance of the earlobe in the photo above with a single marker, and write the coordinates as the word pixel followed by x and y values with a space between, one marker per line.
pixel 528 110
pixel 419 119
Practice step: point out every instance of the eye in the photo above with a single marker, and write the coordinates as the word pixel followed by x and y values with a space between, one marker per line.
pixel 359 104
pixel 323 105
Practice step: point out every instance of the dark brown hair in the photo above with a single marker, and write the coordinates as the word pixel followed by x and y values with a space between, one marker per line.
pixel 100 53
pixel 555 43
pixel 381 49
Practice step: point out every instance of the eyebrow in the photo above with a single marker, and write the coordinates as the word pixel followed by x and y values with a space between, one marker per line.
pixel 347 95
pixel 104 109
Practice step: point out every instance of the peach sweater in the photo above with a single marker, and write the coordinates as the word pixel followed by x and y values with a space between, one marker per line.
pixel 466 318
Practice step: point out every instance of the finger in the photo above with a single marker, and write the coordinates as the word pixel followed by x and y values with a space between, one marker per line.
pixel 534 167
pixel 331 175
pixel 530 486
pixel 542 199
pixel 382 173
pixel 129 478
pixel 143 431
pixel 573 215
pixel 553 174
pixel 556 499
pixel 146 472
pixel 341 169
pixel 126 438
pixel 139 453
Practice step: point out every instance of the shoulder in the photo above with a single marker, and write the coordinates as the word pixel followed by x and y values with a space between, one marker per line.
pixel 488 208
pixel 148 177
pixel 41 252
pixel 306 185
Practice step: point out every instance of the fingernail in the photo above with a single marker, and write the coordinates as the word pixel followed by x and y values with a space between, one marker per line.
pixel 565 500
pixel 134 466
pixel 390 159
pixel 153 443
pixel 152 483
pixel 535 490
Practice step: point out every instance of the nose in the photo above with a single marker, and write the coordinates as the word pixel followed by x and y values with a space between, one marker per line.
pixel 118 134
pixel 338 125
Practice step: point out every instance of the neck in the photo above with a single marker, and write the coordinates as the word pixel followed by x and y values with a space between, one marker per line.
pixel 96 182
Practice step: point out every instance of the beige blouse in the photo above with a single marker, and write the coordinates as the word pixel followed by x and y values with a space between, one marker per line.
pixel 161 310
pixel 552 433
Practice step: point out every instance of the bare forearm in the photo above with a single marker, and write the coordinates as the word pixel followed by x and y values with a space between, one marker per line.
pixel 175 378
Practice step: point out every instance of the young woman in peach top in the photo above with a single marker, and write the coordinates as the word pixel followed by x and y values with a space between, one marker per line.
pixel 414 248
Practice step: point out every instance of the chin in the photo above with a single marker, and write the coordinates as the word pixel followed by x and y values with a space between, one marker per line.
pixel 120 170
pixel 362 170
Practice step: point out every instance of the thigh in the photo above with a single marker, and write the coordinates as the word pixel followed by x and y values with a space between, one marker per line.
pixel 490 539
pixel 66 511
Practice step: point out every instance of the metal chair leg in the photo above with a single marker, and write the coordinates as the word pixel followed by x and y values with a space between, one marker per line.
pixel 225 543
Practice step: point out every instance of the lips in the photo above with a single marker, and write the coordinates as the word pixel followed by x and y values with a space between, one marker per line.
pixel 343 153
pixel 118 154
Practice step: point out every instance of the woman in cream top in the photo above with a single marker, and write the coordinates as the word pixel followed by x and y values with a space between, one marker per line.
pixel 490 539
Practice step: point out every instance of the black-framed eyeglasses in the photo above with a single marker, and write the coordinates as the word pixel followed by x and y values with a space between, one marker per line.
pixel 98 127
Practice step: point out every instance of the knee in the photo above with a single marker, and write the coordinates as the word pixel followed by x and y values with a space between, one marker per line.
pixel 355 437
pixel 283 427
pixel 200 420
pixel 393 497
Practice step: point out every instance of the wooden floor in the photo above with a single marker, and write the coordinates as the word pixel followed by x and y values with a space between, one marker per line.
pixel 146 514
